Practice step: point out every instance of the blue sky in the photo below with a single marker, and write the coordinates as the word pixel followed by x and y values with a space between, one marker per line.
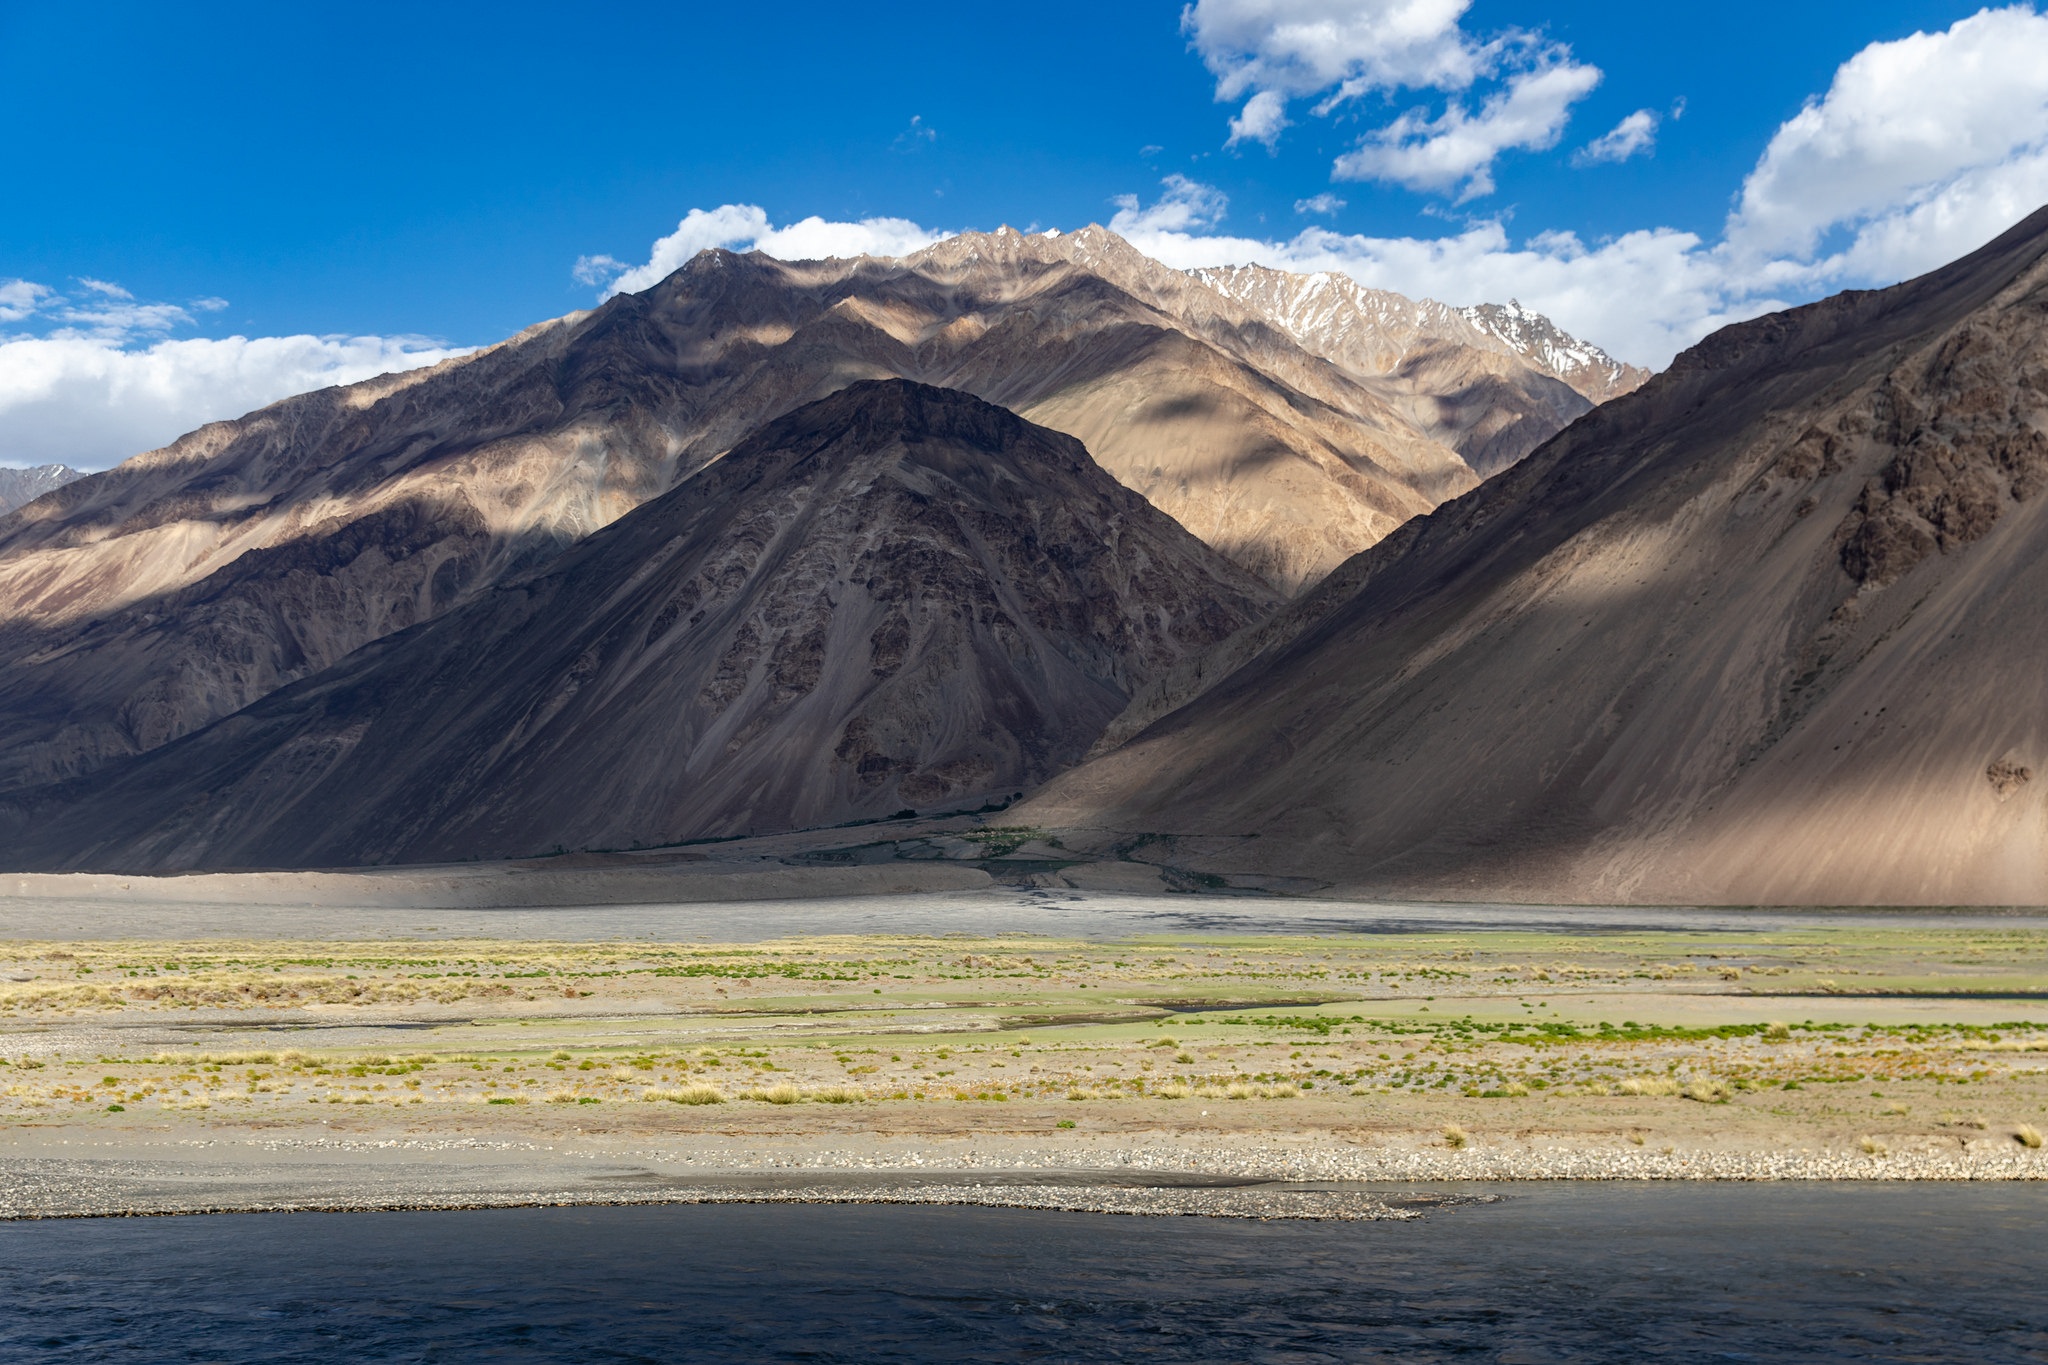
pixel 348 188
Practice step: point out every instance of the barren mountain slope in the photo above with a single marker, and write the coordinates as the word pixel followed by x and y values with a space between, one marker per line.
pixel 140 604
pixel 19 487
pixel 1769 630
pixel 897 596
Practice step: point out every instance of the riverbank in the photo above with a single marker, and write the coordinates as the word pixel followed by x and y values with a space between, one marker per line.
pixel 1205 1070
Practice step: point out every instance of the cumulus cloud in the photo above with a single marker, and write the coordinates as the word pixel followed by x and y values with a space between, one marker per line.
pixel 1294 48
pixel 1455 151
pixel 1186 205
pixel 1267 52
pixel 1635 134
pixel 102 382
pixel 1931 139
pixel 745 227
pixel 1320 205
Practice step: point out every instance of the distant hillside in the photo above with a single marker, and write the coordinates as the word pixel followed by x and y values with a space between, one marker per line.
pixel 19 487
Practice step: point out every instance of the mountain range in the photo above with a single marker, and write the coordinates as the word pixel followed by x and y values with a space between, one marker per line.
pixel 144 603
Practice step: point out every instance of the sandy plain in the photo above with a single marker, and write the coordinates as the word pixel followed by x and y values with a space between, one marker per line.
pixel 166 1051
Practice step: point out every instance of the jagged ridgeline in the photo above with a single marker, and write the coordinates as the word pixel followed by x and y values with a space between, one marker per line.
pixel 1770 629
pixel 1287 421
pixel 896 596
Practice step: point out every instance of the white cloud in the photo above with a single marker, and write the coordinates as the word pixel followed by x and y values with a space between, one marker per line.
pixel 1294 48
pixel 1263 119
pixel 1321 204
pixel 1456 151
pixel 1929 137
pixel 103 382
pixel 745 227
pixel 92 403
pixel 20 299
pixel 1187 204
pixel 1636 133
pixel 1267 52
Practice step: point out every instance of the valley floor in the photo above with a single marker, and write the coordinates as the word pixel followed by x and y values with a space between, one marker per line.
pixel 1253 1057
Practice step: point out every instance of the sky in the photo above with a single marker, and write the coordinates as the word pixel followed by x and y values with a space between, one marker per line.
pixel 212 206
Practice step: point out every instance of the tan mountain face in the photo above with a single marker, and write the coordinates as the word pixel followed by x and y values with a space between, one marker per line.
pixel 897 597
pixel 1769 630
pixel 143 603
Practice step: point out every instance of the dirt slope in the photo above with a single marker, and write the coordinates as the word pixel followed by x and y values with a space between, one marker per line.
pixel 1768 630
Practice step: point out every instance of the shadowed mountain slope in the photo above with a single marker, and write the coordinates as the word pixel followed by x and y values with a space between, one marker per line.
pixel 897 596
pixel 1769 630
pixel 142 603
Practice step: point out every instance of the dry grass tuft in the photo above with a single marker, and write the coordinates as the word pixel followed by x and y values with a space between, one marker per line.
pixel 1870 1146
pixel 1649 1085
pixel 836 1094
pixel 686 1094
pixel 1777 1031
pixel 1173 1090
pixel 1707 1091
pixel 2027 1135
pixel 1455 1137
pixel 775 1094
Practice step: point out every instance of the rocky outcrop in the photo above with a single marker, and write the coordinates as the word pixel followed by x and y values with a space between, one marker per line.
pixel 899 596
pixel 1767 630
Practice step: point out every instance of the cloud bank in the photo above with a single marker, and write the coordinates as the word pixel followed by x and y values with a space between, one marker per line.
pixel 105 382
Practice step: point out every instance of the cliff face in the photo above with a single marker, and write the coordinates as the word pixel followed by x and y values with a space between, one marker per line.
pixel 899 596
pixel 1768 630
pixel 140 604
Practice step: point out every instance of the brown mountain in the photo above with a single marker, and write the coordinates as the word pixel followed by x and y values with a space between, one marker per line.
pixel 899 596
pixel 1768 630
pixel 140 604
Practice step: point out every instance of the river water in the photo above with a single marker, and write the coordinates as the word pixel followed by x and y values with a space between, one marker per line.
pixel 1542 1273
